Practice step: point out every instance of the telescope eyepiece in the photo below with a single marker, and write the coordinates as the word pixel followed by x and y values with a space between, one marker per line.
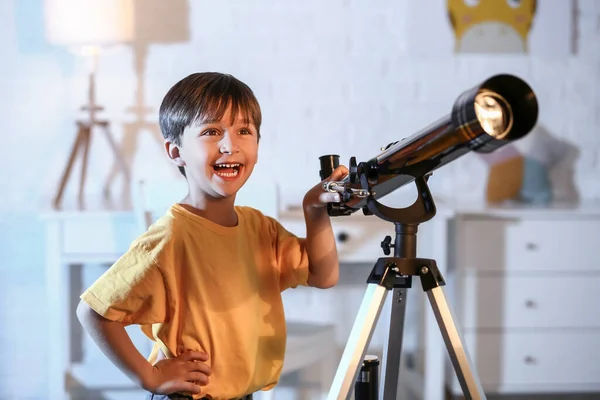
pixel 328 162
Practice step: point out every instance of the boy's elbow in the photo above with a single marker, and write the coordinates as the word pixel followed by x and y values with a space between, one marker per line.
pixel 86 315
pixel 322 283
pixel 83 312
pixel 333 281
pixel 328 284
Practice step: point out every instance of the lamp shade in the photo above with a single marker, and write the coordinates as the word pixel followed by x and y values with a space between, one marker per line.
pixel 160 21
pixel 89 22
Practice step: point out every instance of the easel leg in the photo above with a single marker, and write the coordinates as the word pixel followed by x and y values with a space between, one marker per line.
pixel 69 167
pixel 85 139
pixel 118 156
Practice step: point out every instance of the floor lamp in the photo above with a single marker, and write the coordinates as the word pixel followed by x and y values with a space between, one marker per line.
pixel 89 27
pixel 157 22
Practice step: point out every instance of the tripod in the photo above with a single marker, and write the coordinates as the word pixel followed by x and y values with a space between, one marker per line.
pixel 82 145
pixel 395 274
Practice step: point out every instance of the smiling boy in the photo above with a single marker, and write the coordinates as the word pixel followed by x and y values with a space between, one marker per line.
pixel 205 281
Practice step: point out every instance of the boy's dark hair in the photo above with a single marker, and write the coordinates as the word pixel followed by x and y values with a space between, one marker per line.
pixel 204 97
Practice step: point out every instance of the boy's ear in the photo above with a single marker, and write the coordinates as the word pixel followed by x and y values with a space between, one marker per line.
pixel 173 152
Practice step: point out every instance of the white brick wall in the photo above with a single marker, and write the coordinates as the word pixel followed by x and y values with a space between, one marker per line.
pixel 331 77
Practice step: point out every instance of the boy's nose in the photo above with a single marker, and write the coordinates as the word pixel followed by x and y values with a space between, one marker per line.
pixel 227 145
pixel 225 149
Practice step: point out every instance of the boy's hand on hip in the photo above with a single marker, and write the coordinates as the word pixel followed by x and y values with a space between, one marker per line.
pixel 185 373
pixel 317 197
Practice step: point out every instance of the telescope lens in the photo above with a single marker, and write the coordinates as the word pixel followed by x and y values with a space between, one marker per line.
pixel 494 114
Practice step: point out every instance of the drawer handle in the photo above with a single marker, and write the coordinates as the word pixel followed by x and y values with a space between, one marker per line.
pixel 530 360
pixel 531 246
pixel 343 237
pixel 530 304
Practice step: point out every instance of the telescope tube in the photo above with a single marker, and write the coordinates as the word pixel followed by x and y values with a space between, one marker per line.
pixel 484 118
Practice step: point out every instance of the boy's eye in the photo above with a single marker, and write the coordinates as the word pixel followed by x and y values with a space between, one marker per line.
pixel 245 132
pixel 210 132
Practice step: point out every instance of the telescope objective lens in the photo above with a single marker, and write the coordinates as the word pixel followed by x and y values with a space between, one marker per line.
pixel 493 113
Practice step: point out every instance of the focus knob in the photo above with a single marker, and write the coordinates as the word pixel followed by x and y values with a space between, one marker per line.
pixel 353 171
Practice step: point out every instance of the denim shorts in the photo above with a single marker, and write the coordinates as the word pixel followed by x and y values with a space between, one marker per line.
pixel 176 396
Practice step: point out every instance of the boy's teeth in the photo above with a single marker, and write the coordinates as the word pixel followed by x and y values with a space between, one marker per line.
pixel 227 170
pixel 228 174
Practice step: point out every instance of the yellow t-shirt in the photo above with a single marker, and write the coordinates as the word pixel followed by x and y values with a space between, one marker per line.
pixel 193 284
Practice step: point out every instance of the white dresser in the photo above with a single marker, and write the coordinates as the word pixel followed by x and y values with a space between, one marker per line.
pixel 525 287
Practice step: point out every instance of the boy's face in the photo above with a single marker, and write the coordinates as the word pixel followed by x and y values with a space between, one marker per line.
pixel 219 156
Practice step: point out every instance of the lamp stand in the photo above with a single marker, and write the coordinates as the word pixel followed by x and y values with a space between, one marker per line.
pixel 82 144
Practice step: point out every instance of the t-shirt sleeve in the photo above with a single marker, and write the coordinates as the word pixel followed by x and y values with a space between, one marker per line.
pixel 131 291
pixel 291 257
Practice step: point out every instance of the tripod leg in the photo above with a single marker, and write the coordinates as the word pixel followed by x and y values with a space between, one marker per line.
pixel 69 167
pixel 390 368
pixel 118 156
pixel 356 347
pixel 86 138
pixel 454 343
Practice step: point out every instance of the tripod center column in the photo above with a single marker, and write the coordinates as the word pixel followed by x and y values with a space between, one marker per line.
pixel 405 245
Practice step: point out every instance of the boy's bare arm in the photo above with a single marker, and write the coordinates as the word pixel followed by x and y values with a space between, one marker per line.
pixel 167 376
pixel 320 240
pixel 113 340
pixel 321 248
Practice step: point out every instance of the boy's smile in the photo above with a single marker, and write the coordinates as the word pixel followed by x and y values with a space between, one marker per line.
pixel 228 171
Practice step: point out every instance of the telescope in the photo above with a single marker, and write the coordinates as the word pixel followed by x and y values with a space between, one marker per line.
pixel 483 119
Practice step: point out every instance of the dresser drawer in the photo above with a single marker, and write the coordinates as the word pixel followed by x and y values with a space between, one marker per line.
pixel 358 238
pixel 560 245
pixel 534 360
pixel 533 301
pixel 529 245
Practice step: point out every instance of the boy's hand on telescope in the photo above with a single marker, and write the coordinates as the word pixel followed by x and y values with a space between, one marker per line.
pixel 185 373
pixel 317 197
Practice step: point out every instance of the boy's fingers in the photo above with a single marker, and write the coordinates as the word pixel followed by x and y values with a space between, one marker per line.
pixel 198 367
pixel 328 197
pixel 187 387
pixel 198 378
pixel 194 356
pixel 338 173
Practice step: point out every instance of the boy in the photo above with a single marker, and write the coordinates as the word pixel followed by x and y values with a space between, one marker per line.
pixel 205 281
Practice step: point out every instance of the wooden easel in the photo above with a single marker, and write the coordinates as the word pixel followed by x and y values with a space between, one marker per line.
pixel 82 145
